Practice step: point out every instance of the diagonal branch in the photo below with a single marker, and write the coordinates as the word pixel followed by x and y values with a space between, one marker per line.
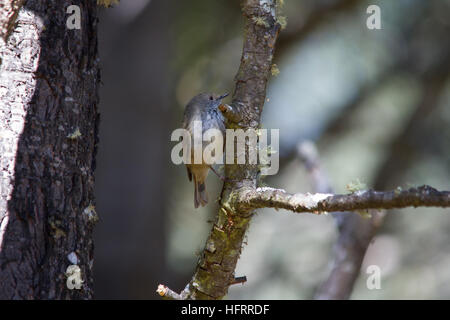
pixel 215 269
pixel 424 196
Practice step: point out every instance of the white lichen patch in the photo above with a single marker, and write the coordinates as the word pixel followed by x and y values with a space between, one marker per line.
pixel 274 70
pixel 309 201
pixel 264 189
pixel 268 6
pixel 73 258
pixel 282 21
pixel 360 192
pixel 84 170
pixel 90 212
pixel 74 135
pixel 162 290
pixel 210 246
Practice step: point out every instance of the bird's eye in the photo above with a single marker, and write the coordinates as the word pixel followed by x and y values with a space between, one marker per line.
pixel 211 98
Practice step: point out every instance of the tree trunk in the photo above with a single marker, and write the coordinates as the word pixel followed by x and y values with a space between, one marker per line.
pixel 48 133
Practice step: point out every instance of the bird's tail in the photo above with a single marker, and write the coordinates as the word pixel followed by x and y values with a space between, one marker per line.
pixel 200 194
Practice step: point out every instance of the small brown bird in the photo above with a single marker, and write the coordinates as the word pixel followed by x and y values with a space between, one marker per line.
pixel 203 107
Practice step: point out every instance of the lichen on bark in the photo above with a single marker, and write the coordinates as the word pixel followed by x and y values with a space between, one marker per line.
pixel 49 83
pixel 215 270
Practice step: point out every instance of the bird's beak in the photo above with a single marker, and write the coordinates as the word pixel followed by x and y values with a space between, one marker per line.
pixel 222 96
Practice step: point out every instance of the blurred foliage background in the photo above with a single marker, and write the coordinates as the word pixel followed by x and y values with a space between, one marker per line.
pixel 376 102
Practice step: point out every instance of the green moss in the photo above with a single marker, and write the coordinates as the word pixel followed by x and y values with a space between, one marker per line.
pixel 355 185
pixel 274 70
pixel 364 214
pixel 282 21
pixel 260 21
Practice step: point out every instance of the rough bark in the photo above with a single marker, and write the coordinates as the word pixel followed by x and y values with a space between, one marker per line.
pixel 320 203
pixel 49 122
pixel 9 10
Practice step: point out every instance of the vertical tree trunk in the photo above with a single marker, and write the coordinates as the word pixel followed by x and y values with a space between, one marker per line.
pixel 48 127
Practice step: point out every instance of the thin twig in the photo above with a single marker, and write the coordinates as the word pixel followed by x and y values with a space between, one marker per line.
pixel 238 280
pixel 167 293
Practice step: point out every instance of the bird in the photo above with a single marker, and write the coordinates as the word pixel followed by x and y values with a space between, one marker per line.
pixel 203 107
